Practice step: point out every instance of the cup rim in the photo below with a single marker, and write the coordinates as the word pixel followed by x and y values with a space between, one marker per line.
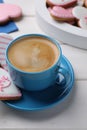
pixel 54 41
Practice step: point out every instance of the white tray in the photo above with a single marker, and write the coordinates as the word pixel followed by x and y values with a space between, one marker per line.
pixel 63 32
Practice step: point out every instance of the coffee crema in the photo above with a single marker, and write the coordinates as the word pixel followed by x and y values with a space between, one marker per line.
pixel 33 54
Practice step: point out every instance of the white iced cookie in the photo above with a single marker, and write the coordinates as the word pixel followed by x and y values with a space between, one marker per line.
pixel 8 91
pixel 80 2
pixel 83 23
pixel 79 12
pixel 63 3
pixel 60 1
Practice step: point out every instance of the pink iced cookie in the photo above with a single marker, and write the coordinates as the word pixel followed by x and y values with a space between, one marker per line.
pixel 79 12
pixel 61 14
pixel 62 3
pixel 83 22
pixel 8 91
pixel 4 41
pixel 9 12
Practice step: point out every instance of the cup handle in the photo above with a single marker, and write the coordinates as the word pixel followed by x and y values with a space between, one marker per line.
pixel 63 76
pixel 63 82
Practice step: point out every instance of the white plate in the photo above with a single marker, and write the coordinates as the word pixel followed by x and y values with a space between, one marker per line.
pixel 63 32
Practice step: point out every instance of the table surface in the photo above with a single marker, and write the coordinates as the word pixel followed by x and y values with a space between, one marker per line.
pixel 70 114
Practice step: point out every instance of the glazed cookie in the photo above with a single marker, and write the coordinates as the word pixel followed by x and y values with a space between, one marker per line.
pixel 62 3
pixel 4 41
pixel 80 2
pixel 9 12
pixel 8 91
pixel 79 12
pixel 61 14
pixel 83 22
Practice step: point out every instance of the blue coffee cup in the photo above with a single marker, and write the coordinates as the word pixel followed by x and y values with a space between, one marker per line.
pixel 35 81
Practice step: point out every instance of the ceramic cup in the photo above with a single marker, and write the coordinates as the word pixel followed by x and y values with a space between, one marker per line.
pixel 35 81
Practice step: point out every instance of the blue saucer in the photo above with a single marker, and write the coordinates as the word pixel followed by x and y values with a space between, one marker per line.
pixel 48 97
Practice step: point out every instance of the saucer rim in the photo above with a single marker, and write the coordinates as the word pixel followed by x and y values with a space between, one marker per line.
pixel 57 102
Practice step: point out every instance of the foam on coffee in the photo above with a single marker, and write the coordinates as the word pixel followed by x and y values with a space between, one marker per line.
pixel 33 54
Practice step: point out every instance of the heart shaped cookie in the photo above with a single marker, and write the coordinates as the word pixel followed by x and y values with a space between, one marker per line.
pixel 9 12
pixel 79 12
pixel 80 2
pixel 8 91
pixel 62 3
pixel 83 22
pixel 61 14
pixel 4 41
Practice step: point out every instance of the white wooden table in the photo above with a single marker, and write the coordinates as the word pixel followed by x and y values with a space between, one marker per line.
pixel 70 114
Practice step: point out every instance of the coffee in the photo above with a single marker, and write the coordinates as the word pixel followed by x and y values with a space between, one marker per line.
pixel 33 54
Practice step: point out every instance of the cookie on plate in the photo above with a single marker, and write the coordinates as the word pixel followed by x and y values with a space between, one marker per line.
pixel 79 12
pixel 83 22
pixel 61 14
pixel 62 3
pixel 80 2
